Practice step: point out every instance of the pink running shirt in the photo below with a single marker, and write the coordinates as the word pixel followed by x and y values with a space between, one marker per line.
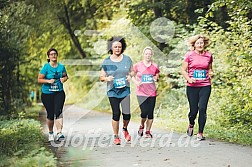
pixel 198 67
pixel 145 74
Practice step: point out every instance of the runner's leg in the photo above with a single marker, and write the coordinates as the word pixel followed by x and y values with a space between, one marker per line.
pixel 48 102
pixel 193 99
pixel 58 108
pixel 204 95
pixel 116 112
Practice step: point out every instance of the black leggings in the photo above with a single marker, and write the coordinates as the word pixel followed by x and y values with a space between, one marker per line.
pixel 54 104
pixel 147 105
pixel 198 99
pixel 115 105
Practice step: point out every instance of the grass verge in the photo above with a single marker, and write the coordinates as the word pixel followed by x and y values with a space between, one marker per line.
pixel 22 142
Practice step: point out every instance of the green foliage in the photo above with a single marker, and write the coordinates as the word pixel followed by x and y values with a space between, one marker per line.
pixel 234 135
pixel 232 64
pixel 228 24
pixel 16 135
pixel 28 29
pixel 14 28
pixel 39 157
pixel 32 112
pixel 20 144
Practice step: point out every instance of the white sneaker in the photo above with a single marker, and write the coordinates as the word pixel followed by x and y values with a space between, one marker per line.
pixel 200 137
pixel 50 137
pixel 60 137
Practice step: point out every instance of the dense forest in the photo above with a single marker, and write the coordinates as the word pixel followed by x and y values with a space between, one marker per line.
pixel 79 30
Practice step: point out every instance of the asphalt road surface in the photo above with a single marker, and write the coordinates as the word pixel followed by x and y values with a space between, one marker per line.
pixel 89 143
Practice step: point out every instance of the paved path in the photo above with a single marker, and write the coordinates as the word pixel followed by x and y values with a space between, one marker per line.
pixel 89 143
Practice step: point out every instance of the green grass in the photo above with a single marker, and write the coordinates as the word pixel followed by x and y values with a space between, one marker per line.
pixel 22 141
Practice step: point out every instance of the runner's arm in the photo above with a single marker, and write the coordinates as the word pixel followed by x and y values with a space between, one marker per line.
pixel 185 73
pixel 41 79
pixel 211 72
pixel 64 78
pixel 156 77
pixel 104 77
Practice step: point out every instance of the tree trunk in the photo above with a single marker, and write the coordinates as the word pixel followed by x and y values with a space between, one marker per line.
pixel 66 22
pixel 190 7
pixel 158 13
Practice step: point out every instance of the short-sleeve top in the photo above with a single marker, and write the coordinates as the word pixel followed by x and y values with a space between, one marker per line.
pixel 52 73
pixel 119 70
pixel 198 68
pixel 145 75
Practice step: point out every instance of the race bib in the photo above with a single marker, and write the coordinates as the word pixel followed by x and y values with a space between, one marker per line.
pixel 199 74
pixel 54 87
pixel 147 78
pixel 120 82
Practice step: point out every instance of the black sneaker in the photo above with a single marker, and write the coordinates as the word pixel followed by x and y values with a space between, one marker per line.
pixel 140 130
pixel 190 130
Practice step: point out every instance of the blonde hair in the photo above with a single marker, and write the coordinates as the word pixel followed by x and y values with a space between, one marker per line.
pixel 148 47
pixel 191 41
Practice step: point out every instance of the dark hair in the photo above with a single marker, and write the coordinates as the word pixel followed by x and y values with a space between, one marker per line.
pixel 114 39
pixel 48 53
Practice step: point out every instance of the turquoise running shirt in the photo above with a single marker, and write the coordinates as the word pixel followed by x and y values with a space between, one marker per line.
pixel 52 73
pixel 119 87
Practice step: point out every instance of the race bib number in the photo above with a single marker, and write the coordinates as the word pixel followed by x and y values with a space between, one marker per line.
pixel 54 87
pixel 120 82
pixel 199 74
pixel 147 78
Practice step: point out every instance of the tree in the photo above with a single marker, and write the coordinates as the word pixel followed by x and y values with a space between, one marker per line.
pixel 14 27
pixel 232 47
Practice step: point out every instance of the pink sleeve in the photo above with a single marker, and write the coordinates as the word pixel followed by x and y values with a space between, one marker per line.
pixel 210 56
pixel 211 59
pixel 186 58
pixel 157 70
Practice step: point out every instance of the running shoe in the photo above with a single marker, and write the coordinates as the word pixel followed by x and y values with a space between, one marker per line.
pixel 148 134
pixel 140 130
pixel 126 135
pixel 200 137
pixel 60 137
pixel 117 141
pixel 50 137
pixel 190 130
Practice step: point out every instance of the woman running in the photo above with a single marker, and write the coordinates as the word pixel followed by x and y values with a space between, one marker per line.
pixel 52 76
pixel 197 70
pixel 116 70
pixel 146 73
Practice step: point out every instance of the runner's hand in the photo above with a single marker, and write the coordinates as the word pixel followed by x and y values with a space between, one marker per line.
pixel 62 80
pixel 109 78
pixel 138 83
pixel 191 80
pixel 51 81
pixel 155 78
pixel 128 78
pixel 211 74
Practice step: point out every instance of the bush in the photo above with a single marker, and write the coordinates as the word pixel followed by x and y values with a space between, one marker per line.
pixel 21 144
pixel 19 135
